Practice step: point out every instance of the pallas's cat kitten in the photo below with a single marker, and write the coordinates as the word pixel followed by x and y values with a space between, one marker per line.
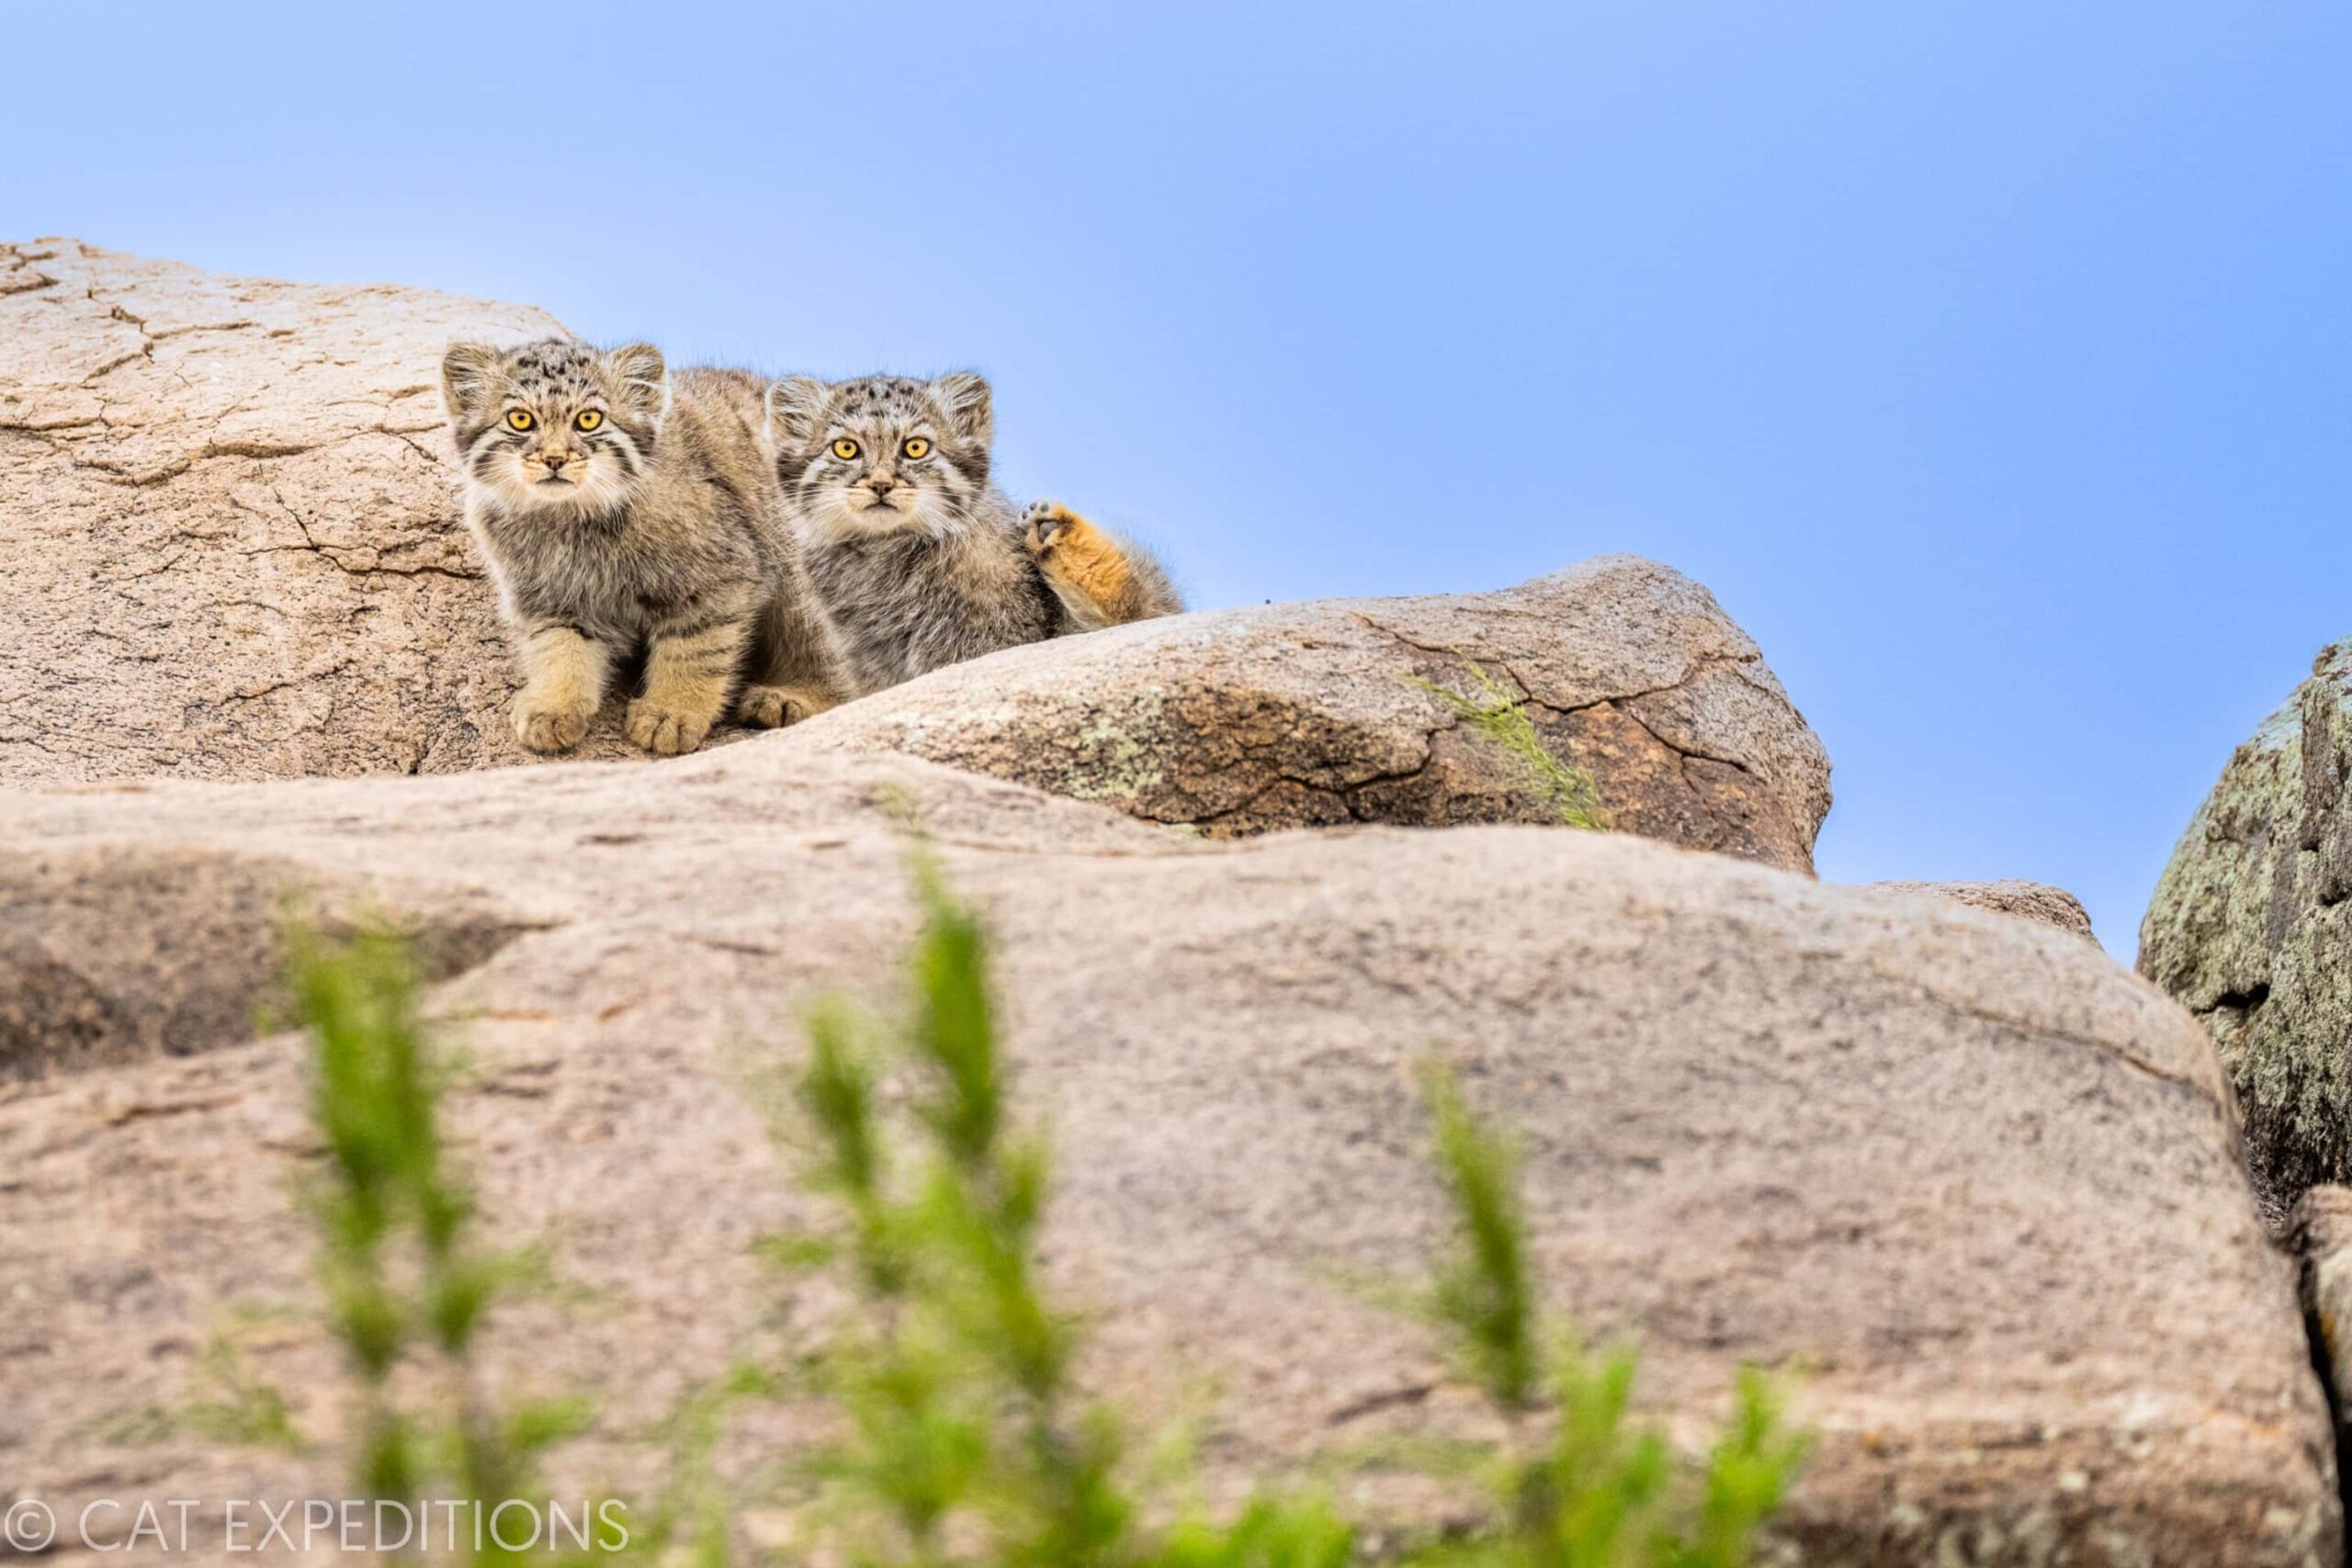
pixel 917 560
pixel 624 506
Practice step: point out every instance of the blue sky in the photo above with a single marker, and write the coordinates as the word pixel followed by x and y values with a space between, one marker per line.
pixel 1988 361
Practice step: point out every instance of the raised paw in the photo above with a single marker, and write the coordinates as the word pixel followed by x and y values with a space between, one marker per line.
pixel 1044 523
pixel 548 731
pixel 772 708
pixel 664 731
pixel 1085 567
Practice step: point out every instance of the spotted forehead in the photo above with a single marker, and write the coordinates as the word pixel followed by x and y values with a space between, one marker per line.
pixel 881 396
pixel 551 366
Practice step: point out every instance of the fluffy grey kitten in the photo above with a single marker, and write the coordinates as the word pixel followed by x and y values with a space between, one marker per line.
pixel 917 559
pixel 623 506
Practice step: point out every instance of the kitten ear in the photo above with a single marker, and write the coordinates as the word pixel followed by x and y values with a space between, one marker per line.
pixel 795 404
pixel 466 372
pixel 965 395
pixel 641 378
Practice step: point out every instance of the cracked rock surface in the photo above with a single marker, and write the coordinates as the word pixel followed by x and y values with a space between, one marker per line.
pixel 2250 928
pixel 1287 715
pixel 1978 1180
pixel 231 548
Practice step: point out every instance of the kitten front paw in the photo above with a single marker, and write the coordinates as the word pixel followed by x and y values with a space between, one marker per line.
pixel 1043 521
pixel 773 708
pixel 664 731
pixel 548 730
pixel 1085 567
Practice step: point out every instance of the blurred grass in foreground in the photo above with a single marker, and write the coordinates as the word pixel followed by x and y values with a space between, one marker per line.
pixel 956 1436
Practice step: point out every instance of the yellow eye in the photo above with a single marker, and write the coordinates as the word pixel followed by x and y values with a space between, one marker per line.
pixel 589 419
pixel 520 420
pixel 917 447
pixel 845 448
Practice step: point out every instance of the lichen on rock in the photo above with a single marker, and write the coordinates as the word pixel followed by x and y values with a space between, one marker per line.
pixel 1625 672
pixel 2251 931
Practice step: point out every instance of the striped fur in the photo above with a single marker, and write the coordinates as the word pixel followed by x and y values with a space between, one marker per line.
pixel 637 509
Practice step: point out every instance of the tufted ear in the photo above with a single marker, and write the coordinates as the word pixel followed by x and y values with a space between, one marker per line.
pixel 641 378
pixel 965 395
pixel 795 407
pixel 465 374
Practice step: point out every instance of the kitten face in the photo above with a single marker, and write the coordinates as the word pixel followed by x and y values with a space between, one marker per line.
pixel 555 428
pixel 883 453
